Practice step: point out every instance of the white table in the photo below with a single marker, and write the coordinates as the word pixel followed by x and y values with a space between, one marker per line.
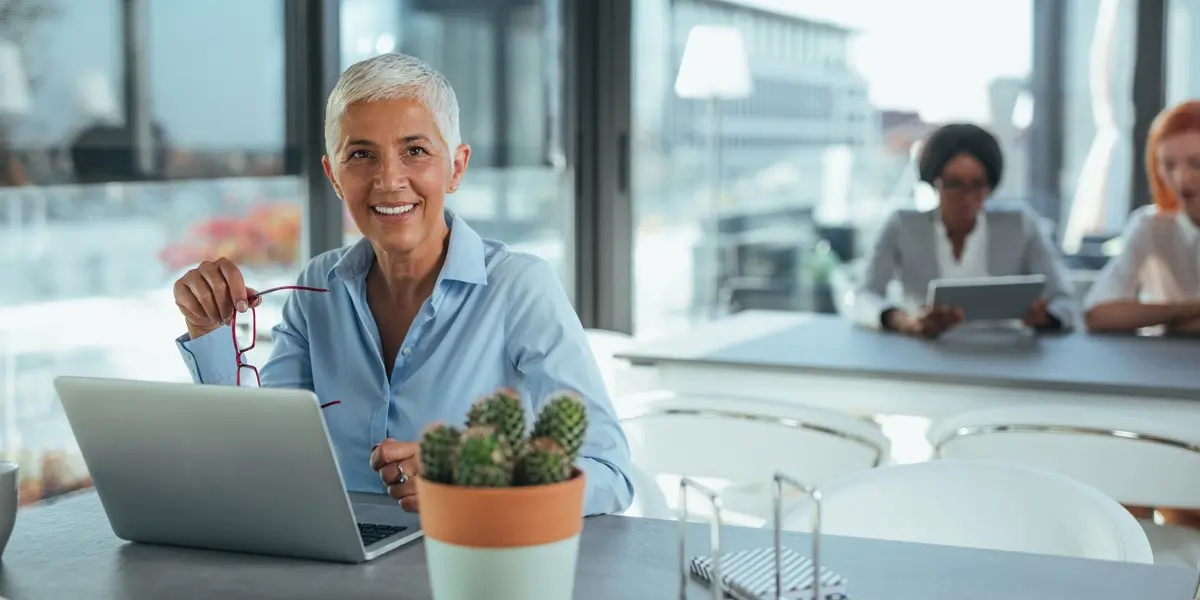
pixel 826 362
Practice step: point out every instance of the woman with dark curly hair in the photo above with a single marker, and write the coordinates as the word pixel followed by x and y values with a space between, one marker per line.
pixel 962 238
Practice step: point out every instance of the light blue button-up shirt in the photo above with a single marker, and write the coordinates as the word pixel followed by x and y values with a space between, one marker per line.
pixel 496 318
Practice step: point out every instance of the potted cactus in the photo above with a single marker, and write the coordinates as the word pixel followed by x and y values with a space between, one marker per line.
pixel 502 509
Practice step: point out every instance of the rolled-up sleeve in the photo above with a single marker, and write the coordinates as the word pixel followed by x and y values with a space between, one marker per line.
pixel 1120 279
pixel 549 347
pixel 210 358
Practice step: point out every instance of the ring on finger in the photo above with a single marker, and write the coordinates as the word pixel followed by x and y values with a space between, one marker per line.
pixel 401 476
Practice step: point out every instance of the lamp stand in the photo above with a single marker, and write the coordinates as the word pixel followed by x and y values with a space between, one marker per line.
pixel 711 229
pixel 714 138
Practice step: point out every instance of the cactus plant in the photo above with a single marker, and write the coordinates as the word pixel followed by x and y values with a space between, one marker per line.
pixel 484 459
pixel 564 420
pixel 494 451
pixel 439 445
pixel 545 461
pixel 504 411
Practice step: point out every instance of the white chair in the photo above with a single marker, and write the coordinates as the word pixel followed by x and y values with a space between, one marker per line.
pixel 735 445
pixel 977 504
pixel 1142 458
pixel 607 343
pixel 619 376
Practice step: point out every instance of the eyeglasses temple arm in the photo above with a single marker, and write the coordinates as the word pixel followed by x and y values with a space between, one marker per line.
pixel 302 288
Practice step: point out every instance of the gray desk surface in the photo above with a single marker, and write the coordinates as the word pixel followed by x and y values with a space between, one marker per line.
pixel 826 344
pixel 67 550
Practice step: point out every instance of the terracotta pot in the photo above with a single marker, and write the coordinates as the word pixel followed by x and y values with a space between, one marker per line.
pixel 517 543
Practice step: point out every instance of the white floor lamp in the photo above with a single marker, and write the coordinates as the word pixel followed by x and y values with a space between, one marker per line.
pixel 714 68
pixel 14 93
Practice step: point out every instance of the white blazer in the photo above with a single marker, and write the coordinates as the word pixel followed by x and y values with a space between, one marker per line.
pixel 906 251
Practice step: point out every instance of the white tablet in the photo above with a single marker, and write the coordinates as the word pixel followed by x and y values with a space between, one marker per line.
pixel 988 298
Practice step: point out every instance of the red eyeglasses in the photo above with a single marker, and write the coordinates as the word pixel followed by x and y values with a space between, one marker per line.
pixel 239 349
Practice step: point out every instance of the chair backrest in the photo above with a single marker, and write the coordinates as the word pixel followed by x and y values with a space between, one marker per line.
pixel 1142 458
pixel 745 440
pixel 604 344
pixel 978 504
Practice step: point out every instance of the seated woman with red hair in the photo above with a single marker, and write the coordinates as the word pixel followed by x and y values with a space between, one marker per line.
pixel 1155 281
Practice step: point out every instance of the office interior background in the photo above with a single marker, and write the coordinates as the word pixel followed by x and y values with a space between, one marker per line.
pixel 139 137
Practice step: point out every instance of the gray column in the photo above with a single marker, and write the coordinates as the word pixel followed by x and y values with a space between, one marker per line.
pixel 1047 132
pixel 1149 89
pixel 313 61
pixel 599 72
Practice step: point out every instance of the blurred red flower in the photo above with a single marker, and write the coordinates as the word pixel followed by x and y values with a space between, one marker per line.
pixel 267 236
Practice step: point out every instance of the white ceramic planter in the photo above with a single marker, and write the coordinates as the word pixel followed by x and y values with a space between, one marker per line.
pixel 519 543
pixel 544 572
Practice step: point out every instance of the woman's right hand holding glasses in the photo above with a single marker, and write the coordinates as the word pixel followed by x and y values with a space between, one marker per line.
pixel 209 294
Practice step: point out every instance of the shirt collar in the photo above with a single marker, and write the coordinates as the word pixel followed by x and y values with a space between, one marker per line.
pixel 465 258
pixel 980 225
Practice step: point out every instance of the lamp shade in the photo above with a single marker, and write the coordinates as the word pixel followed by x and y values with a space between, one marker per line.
pixel 14 85
pixel 714 65
pixel 94 97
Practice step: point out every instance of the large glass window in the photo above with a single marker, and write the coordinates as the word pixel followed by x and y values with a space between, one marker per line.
pixel 137 138
pixel 809 161
pixel 1100 52
pixel 505 61
pixel 822 145
pixel 1183 51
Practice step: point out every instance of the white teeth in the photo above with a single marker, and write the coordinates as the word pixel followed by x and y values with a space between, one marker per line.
pixel 393 210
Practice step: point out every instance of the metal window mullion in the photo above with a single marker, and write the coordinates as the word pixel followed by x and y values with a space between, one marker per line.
pixel 313 63
pixel 1048 78
pixel 599 79
pixel 1149 89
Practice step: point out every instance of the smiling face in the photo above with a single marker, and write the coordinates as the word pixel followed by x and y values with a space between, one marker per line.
pixel 1179 167
pixel 393 171
pixel 962 189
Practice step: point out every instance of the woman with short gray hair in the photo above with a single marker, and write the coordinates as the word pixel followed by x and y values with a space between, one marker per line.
pixel 421 317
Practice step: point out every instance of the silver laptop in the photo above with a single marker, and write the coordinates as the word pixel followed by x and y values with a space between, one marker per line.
pixel 225 468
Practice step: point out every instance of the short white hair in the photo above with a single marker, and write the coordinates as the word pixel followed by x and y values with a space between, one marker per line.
pixel 394 76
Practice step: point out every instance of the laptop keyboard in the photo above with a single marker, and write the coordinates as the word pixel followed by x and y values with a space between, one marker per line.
pixel 372 533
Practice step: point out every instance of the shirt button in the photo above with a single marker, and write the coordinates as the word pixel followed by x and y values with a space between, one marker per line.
pixel 406 351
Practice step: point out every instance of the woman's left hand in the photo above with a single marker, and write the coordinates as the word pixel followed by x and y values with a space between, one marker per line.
pixel 1187 327
pixel 398 464
pixel 1037 315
